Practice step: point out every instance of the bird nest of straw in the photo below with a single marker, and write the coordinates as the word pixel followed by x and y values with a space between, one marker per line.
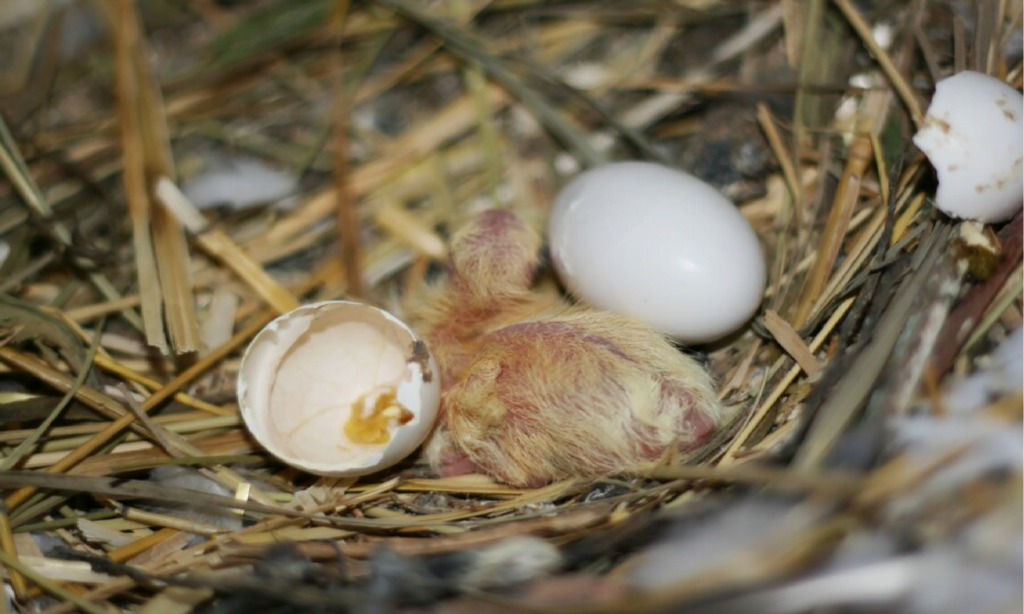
pixel 333 149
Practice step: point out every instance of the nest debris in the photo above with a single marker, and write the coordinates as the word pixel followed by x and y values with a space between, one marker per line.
pixel 124 307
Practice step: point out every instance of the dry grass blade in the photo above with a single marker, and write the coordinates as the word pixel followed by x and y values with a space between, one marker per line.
pixel 792 343
pixel 62 382
pixel 860 155
pixel 928 53
pixel 13 164
pixel 984 31
pixel 833 418
pixel 1010 294
pixel 10 549
pixel 469 48
pixel 411 230
pixel 789 554
pixel 170 248
pixel 772 477
pixel 959 45
pixel 764 116
pixel 330 148
pixel 127 418
pixel 631 134
pixel 19 175
pixel 126 45
pixel 12 459
pixel 816 58
pixel 896 77
pixel 176 281
pixel 169 522
pixel 51 587
pixel 177 600
pixel 346 218
pixel 26 322
pixel 217 244
pixel 732 453
pixel 119 369
pixel 793 18
pixel 760 26
pixel 154 429
pixel 68 437
pixel 574 520
pixel 138 489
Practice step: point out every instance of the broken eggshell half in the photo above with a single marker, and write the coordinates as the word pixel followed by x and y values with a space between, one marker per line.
pixel 972 135
pixel 338 388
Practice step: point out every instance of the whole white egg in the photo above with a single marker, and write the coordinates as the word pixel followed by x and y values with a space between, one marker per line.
pixel 973 134
pixel 338 388
pixel 658 244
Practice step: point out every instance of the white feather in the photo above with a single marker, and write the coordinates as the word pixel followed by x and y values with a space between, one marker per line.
pixel 698 546
pixel 239 183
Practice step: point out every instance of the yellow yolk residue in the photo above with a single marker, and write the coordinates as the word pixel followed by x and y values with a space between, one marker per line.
pixel 372 427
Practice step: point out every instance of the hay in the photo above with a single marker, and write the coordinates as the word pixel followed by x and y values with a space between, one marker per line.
pixel 874 308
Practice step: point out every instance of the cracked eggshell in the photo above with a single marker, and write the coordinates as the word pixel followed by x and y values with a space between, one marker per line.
pixel 973 135
pixel 325 372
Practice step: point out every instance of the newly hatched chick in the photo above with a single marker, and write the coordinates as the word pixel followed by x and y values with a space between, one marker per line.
pixel 534 391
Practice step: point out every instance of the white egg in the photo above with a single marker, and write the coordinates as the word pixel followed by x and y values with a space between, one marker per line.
pixel 658 244
pixel 973 135
pixel 338 388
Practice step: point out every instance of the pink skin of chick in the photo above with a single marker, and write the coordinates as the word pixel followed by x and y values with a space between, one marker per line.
pixel 535 390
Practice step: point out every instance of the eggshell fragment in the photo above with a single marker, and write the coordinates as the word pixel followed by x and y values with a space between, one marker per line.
pixel 973 135
pixel 338 388
pixel 660 245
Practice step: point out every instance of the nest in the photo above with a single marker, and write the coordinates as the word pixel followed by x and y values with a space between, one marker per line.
pixel 129 480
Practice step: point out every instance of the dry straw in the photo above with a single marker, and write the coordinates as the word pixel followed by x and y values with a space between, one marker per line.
pixel 398 123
